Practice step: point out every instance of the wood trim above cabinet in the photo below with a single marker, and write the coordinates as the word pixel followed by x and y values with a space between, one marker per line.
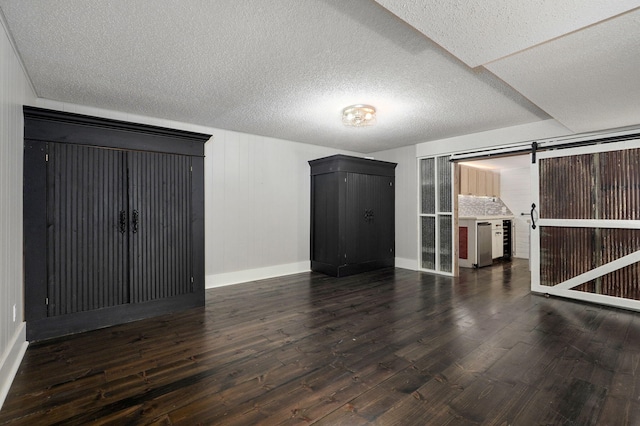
pixel 64 127
pixel 347 163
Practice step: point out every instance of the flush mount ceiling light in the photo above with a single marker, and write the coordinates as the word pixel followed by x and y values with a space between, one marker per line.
pixel 359 115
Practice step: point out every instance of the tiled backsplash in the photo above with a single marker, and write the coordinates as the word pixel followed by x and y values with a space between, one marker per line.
pixel 469 205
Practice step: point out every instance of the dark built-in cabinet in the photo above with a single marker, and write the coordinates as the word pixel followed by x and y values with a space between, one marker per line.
pixel 113 222
pixel 352 215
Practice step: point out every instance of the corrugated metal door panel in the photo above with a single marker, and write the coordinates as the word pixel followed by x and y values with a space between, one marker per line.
pixel 623 283
pixel 595 257
pixel 619 184
pixel 565 253
pixel 566 189
pixel 603 185
pixel 569 252
pixel 160 220
pixel 86 193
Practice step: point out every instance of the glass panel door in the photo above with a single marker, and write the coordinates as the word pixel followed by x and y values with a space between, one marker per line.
pixel 436 215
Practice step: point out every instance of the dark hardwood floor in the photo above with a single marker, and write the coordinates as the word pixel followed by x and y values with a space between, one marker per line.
pixel 386 347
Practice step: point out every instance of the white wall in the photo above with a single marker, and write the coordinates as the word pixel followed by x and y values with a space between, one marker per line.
pixel 15 90
pixel 406 204
pixel 515 191
pixel 257 206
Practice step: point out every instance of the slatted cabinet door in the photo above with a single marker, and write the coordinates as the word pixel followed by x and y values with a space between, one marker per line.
pixel 119 234
pixel 369 217
pixel 87 242
pixel 160 209
pixel 325 235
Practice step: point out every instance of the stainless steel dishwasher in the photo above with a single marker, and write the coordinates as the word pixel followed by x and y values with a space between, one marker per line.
pixel 484 239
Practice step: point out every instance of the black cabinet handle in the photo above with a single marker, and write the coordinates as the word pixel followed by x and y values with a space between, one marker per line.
pixel 368 215
pixel 123 221
pixel 135 221
pixel 533 220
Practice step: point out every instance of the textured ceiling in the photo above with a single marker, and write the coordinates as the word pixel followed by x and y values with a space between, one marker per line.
pixel 481 31
pixel 286 68
pixel 596 75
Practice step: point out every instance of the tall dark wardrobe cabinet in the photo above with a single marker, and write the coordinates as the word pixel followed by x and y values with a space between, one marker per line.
pixel 352 215
pixel 113 222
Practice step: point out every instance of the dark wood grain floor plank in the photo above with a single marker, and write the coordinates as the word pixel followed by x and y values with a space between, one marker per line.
pixel 385 347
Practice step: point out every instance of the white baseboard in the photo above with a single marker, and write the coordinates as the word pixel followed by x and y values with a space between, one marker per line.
pixel 11 359
pixel 410 264
pixel 229 278
pixel 219 280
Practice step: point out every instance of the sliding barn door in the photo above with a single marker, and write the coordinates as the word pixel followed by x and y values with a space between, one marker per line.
pixel 160 220
pixel 586 231
pixel 87 242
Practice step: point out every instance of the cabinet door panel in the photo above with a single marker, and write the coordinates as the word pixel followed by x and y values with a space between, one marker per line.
pixel 482 183
pixel 358 232
pixel 369 218
pixel 385 218
pixel 325 219
pixel 473 181
pixel 464 180
pixel 160 220
pixel 86 191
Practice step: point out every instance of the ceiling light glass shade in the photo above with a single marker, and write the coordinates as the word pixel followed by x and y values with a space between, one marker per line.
pixel 359 115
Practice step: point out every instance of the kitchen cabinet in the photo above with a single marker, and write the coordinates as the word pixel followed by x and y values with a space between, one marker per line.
pixel 473 180
pixel 464 180
pixel 479 182
pixel 352 215
pixel 482 183
pixel 113 219
pixel 468 180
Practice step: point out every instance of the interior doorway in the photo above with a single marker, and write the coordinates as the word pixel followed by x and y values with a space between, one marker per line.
pixel 580 216
pixel 494 191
